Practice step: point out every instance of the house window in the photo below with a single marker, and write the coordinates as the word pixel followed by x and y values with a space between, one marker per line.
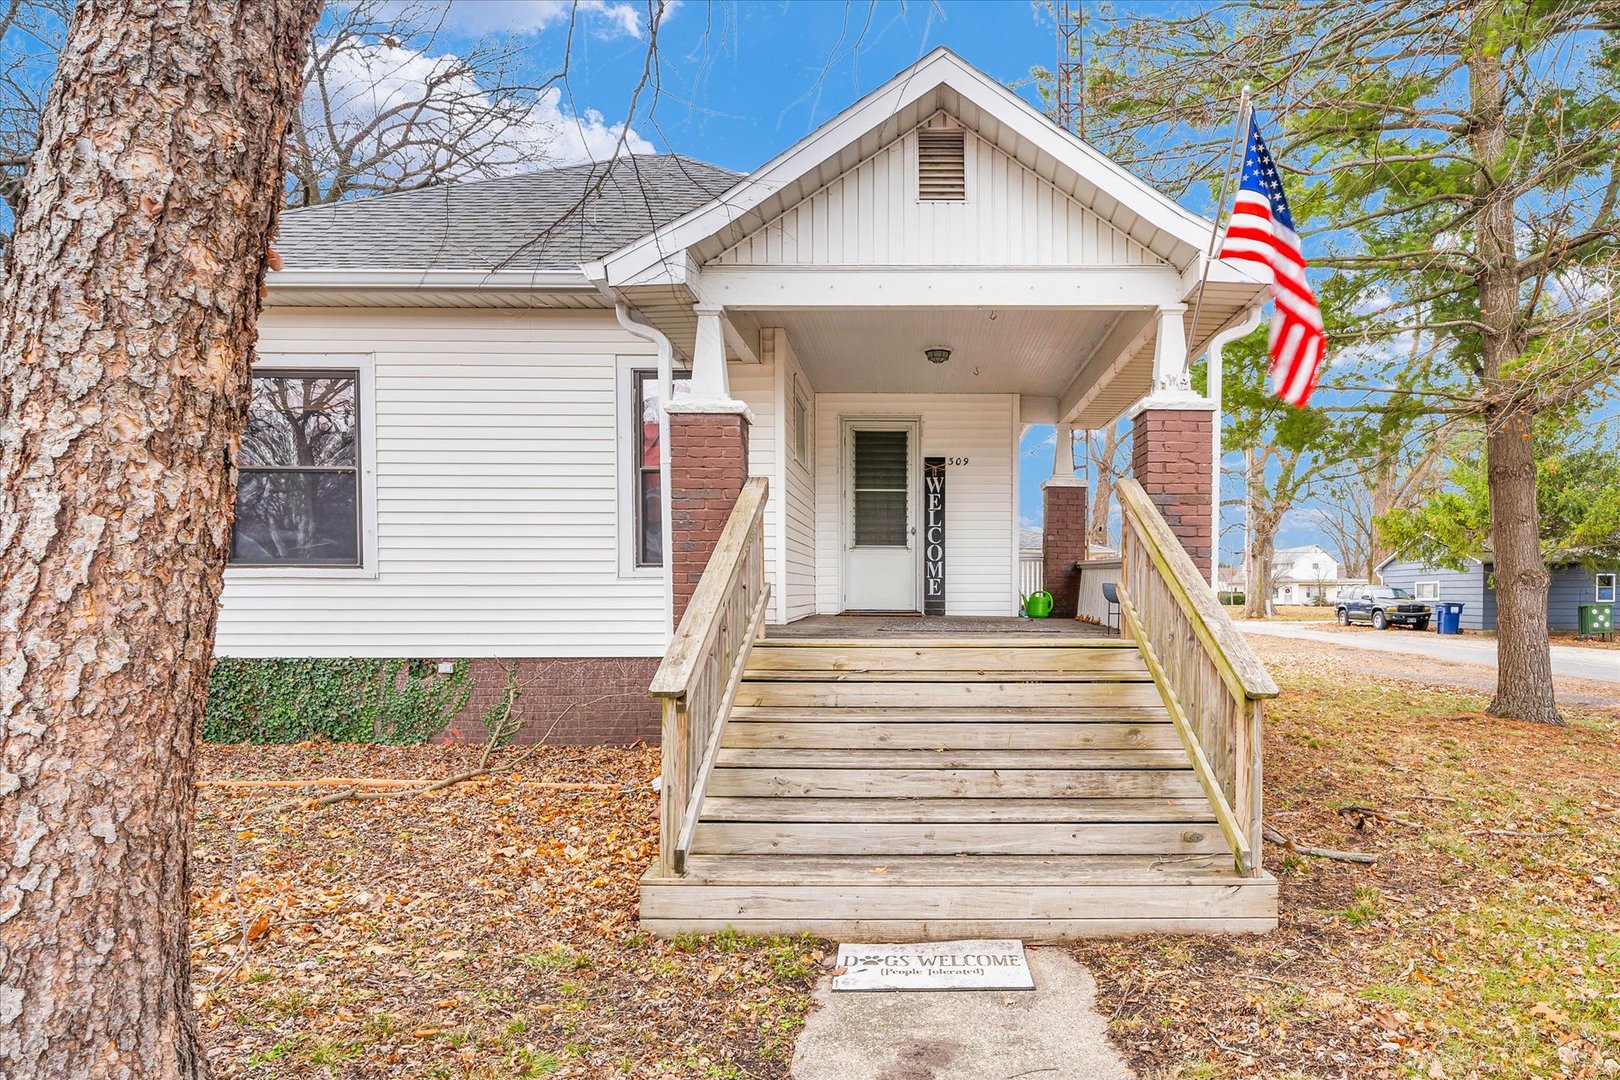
pixel 942 166
pixel 298 484
pixel 801 424
pixel 648 456
pixel 1605 588
pixel 1426 590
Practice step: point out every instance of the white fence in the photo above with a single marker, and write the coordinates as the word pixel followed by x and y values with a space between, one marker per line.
pixel 1031 574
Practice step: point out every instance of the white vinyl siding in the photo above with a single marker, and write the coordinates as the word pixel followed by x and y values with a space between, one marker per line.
pixel 498 527
pixel 799 505
pixel 981 517
pixel 872 216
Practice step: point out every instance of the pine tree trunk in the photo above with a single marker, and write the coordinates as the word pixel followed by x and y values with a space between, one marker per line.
pixel 1524 687
pixel 126 332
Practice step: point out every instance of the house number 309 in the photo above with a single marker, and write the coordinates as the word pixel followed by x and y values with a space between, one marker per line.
pixel 956 461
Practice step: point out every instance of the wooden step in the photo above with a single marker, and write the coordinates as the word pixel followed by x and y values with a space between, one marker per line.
pixel 994 838
pixel 956 783
pixel 867 810
pixel 922 897
pixel 902 714
pixel 969 664
pixel 921 735
pixel 1089 695
pixel 774 758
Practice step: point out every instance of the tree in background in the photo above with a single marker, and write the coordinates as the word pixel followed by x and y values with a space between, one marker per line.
pixel 1458 158
pixel 1109 455
pixel 1577 489
pixel 31 33
pixel 126 336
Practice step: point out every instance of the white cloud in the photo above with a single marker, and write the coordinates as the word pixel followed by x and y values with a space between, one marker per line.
pixel 368 87
pixel 608 18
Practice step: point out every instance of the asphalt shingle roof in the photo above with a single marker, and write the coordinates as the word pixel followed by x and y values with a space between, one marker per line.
pixel 551 220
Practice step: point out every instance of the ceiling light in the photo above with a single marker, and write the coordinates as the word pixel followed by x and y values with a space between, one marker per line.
pixel 937 356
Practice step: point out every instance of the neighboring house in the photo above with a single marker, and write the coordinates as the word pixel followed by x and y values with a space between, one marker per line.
pixel 454 448
pixel 1572 584
pixel 1302 575
pixel 593 428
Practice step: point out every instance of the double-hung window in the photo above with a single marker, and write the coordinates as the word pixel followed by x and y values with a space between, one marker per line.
pixel 298 498
pixel 647 451
pixel 1426 590
pixel 1605 588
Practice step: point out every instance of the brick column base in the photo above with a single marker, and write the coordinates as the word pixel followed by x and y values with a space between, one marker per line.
pixel 708 463
pixel 1172 458
pixel 1063 542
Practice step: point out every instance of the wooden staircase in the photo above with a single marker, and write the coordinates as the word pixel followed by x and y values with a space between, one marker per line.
pixel 888 790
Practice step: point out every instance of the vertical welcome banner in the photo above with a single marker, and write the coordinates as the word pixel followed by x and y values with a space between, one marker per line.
pixel 934 536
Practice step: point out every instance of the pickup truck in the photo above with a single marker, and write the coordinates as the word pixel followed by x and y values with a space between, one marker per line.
pixel 1382 606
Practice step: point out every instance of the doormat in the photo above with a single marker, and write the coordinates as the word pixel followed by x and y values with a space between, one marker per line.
pixel 933 965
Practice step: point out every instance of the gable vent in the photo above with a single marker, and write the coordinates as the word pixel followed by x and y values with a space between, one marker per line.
pixel 942 166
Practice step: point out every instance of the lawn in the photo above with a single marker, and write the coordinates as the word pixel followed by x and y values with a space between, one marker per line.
pixel 489 930
pixel 1484 942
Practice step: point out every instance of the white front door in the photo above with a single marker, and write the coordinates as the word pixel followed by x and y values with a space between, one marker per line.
pixel 879 526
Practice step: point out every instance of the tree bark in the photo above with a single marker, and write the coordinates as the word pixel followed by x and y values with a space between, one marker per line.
pixel 126 334
pixel 1524 687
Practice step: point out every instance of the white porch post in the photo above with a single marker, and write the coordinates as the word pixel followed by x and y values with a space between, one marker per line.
pixel 1063 453
pixel 711 386
pixel 1172 375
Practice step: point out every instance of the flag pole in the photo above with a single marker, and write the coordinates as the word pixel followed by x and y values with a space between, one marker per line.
pixel 1239 134
pixel 1212 376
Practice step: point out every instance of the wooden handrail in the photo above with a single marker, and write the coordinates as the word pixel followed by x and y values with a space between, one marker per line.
pixel 1210 680
pixel 1241 670
pixel 703 667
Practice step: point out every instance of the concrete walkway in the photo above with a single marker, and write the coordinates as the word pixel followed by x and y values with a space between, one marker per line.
pixel 1053 1032
pixel 1568 661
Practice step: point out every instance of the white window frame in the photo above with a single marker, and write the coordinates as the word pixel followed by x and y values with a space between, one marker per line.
pixel 803 424
pixel 364 365
pixel 1419 586
pixel 1598 587
pixel 624 465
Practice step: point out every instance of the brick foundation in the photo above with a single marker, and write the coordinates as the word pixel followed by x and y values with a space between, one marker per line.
pixel 1171 452
pixel 1063 543
pixel 603 701
pixel 708 464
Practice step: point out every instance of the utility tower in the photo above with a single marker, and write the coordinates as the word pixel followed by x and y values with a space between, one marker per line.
pixel 1069 101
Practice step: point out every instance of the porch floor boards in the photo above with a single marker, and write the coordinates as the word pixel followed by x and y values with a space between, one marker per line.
pixel 897 789
pixel 855 627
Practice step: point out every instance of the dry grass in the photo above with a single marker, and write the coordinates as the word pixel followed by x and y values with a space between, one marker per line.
pixel 488 931
pixel 1485 942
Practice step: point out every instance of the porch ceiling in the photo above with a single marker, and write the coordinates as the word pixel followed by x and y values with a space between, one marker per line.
pixel 993 350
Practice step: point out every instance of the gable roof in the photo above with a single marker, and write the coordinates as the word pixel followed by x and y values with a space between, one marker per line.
pixel 940 81
pixel 551 220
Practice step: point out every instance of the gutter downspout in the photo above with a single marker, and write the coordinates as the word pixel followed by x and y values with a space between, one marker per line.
pixel 666 354
pixel 1216 343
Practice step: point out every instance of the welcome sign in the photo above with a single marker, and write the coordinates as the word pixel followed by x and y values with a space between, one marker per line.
pixel 937 965
pixel 934 536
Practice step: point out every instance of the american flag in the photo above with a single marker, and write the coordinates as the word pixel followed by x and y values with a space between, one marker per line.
pixel 1261 230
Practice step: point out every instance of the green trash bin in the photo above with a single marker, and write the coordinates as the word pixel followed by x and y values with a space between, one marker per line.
pixel 1596 620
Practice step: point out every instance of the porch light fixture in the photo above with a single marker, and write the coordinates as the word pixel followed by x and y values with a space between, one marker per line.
pixel 937 356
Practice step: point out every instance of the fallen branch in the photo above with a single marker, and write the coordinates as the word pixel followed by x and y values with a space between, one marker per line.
pixel 1364 814
pixel 1275 837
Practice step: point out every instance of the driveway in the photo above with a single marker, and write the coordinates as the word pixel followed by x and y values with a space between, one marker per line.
pixel 1568 661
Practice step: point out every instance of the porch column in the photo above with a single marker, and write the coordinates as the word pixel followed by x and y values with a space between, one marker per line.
pixel 1063 527
pixel 708 458
pixel 1172 449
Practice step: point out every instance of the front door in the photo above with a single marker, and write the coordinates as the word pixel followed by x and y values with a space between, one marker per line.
pixel 879 509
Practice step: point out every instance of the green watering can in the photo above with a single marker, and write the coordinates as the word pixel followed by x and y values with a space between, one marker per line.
pixel 1038 605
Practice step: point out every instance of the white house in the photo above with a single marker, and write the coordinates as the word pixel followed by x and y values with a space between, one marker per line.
pixel 482 364
pixel 509 420
pixel 1300 575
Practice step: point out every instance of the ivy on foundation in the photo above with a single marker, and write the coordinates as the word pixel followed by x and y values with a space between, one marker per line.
pixel 384 701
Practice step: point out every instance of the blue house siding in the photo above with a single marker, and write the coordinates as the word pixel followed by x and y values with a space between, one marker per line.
pixel 1571 586
pixel 1466 587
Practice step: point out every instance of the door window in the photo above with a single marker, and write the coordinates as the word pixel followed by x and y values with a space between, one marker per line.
pixel 882 488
